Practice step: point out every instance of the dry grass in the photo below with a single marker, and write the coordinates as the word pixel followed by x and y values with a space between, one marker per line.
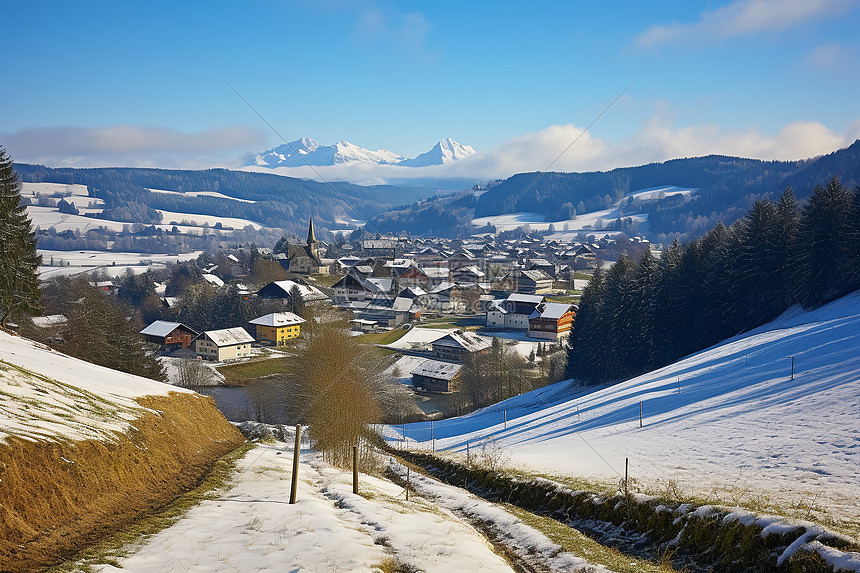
pixel 572 541
pixel 118 545
pixel 59 498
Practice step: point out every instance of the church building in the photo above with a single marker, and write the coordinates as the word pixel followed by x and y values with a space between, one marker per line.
pixel 305 259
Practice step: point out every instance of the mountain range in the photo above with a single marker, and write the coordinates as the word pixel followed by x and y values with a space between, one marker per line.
pixel 724 189
pixel 307 151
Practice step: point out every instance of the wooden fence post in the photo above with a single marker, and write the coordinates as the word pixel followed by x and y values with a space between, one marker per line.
pixel 355 469
pixel 626 460
pixel 296 451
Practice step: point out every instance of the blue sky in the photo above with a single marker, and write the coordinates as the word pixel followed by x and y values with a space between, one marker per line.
pixel 111 83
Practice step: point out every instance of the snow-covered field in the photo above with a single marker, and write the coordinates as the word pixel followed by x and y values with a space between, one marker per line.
pixel 47 217
pixel 76 193
pixel 202 194
pixel 194 220
pixel 584 223
pixel 727 422
pixel 49 395
pixel 113 263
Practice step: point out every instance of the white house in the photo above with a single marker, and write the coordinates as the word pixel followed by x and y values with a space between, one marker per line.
pixel 513 312
pixel 224 344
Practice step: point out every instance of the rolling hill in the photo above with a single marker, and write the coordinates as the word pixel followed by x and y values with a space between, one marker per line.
pixel 728 424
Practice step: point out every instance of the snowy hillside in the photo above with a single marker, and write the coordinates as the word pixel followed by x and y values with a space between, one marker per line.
pixel 90 402
pixel 591 223
pixel 307 151
pixel 727 423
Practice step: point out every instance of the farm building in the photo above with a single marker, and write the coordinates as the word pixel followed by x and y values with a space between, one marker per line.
pixel 436 376
pixel 169 336
pixel 224 344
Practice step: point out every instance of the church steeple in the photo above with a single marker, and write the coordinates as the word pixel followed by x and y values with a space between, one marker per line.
pixel 312 241
pixel 311 237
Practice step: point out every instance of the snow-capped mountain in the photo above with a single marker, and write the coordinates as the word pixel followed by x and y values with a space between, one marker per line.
pixel 307 151
pixel 443 152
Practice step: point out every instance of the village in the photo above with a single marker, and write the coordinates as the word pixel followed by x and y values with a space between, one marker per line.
pixel 430 303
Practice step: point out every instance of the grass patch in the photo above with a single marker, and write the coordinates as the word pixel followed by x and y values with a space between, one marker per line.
pixel 122 543
pixel 572 541
pixel 467 322
pixel 326 280
pixel 568 299
pixel 245 372
pixel 382 337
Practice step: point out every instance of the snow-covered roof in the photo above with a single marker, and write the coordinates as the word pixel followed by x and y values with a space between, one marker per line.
pixel 229 336
pixel 380 284
pixel 160 328
pixel 212 279
pixel 413 291
pixel 435 272
pixel 442 287
pixel 402 304
pixel 536 275
pixel 308 292
pixel 470 341
pixel 278 319
pixel 529 298
pixel 50 320
pixel 551 310
pixel 437 369
pixel 399 264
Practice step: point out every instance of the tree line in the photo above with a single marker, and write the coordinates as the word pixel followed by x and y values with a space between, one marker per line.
pixel 640 315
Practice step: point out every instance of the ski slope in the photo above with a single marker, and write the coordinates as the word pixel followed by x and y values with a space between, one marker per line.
pixel 727 423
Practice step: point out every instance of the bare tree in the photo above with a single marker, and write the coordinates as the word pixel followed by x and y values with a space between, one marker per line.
pixel 335 374
pixel 191 372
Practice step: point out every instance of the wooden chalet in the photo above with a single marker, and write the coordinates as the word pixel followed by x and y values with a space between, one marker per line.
pixel 527 282
pixel 457 345
pixel 552 320
pixel 436 376
pixel 169 336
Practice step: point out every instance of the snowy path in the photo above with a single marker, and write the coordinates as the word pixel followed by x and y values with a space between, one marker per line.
pixel 252 527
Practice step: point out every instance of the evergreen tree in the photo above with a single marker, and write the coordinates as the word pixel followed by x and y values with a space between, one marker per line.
pixel 19 263
pixel 296 304
pixel 788 223
pixel 825 244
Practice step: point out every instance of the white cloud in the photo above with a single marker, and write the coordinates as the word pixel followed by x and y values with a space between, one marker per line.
pixel 407 30
pixel 550 150
pixel 829 57
pixel 744 18
pixel 130 145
